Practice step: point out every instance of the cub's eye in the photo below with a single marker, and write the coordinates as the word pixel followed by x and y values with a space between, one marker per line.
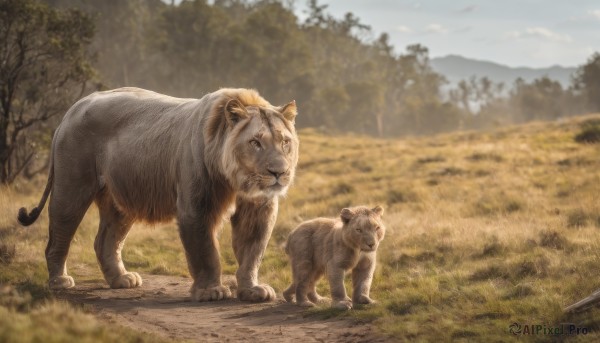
pixel 358 230
pixel 378 228
pixel 256 144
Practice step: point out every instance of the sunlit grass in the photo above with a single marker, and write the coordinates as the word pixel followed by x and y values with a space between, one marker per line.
pixel 484 229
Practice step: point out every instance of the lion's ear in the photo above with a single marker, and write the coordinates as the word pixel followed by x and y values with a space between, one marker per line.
pixel 289 111
pixel 378 210
pixel 347 215
pixel 235 111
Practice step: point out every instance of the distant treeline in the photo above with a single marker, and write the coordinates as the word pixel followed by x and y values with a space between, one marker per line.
pixel 341 75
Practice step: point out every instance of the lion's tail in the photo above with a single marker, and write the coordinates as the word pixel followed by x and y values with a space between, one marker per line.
pixel 27 219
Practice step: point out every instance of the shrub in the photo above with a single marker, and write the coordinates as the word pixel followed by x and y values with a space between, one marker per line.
pixel 553 240
pixel 590 132
pixel 7 253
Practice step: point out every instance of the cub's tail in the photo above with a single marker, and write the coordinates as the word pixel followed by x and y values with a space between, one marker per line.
pixel 27 219
pixel 287 246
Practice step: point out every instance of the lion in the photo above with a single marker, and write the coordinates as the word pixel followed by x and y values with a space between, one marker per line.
pixel 333 246
pixel 141 155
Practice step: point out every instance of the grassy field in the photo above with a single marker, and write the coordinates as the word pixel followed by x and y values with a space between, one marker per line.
pixel 484 229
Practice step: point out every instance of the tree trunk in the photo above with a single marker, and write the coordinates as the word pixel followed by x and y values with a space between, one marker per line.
pixel 4 156
pixel 379 118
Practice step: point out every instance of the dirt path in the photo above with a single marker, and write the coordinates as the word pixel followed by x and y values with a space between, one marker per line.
pixel 162 306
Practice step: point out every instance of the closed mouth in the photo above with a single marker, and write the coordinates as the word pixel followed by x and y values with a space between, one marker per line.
pixel 276 185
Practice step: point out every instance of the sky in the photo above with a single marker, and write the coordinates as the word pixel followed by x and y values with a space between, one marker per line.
pixel 517 33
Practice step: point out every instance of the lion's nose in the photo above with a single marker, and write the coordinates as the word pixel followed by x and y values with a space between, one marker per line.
pixel 276 173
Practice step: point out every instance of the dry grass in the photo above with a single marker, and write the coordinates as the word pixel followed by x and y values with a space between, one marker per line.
pixel 484 229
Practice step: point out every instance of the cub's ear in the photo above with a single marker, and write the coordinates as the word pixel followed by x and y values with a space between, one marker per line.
pixel 235 111
pixel 378 210
pixel 347 215
pixel 289 111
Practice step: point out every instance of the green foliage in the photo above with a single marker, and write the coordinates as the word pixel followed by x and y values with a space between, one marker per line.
pixel 45 66
pixel 587 80
pixel 340 75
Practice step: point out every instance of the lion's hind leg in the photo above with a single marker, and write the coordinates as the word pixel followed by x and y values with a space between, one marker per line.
pixel 65 213
pixel 114 227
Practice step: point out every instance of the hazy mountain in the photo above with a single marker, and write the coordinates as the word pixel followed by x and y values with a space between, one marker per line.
pixel 457 68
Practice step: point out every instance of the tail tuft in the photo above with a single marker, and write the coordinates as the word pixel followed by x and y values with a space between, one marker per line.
pixel 28 219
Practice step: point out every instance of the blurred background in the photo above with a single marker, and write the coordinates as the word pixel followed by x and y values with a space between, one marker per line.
pixel 352 66
pixel 474 123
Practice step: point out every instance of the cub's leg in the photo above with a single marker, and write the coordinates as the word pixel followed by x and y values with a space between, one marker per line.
pixel 362 276
pixel 303 280
pixel 65 212
pixel 338 292
pixel 312 294
pixel 113 230
pixel 252 225
pixel 288 294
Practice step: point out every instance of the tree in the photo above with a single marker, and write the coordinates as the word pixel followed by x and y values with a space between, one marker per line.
pixel 44 66
pixel 587 80
pixel 543 98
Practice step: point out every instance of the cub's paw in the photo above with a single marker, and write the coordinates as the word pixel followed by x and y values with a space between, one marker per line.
pixel 317 299
pixel 363 299
pixel 127 280
pixel 257 293
pixel 61 282
pixel 211 294
pixel 289 296
pixel 342 305
pixel 306 303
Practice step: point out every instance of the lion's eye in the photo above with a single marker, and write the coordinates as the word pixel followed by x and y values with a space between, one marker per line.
pixel 377 228
pixel 358 230
pixel 256 144
pixel 286 144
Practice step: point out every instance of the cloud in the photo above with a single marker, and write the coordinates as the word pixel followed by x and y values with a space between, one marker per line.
pixel 463 29
pixel 468 9
pixel 403 29
pixel 512 35
pixel 538 32
pixel 595 13
pixel 547 34
pixel 436 28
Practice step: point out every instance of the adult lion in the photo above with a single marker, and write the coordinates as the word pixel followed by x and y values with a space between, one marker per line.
pixel 140 155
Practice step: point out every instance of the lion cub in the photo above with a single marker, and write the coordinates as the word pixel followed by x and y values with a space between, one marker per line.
pixel 332 247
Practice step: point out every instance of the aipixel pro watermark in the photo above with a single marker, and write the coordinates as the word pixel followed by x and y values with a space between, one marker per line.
pixel 562 329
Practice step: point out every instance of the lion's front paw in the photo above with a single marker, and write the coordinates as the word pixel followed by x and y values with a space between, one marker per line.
pixel 257 293
pixel 127 280
pixel 211 293
pixel 342 305
pixel 363 299
pixel 61 282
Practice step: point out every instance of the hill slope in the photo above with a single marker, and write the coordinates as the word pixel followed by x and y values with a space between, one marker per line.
pixel 457 68
pixel 485 229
